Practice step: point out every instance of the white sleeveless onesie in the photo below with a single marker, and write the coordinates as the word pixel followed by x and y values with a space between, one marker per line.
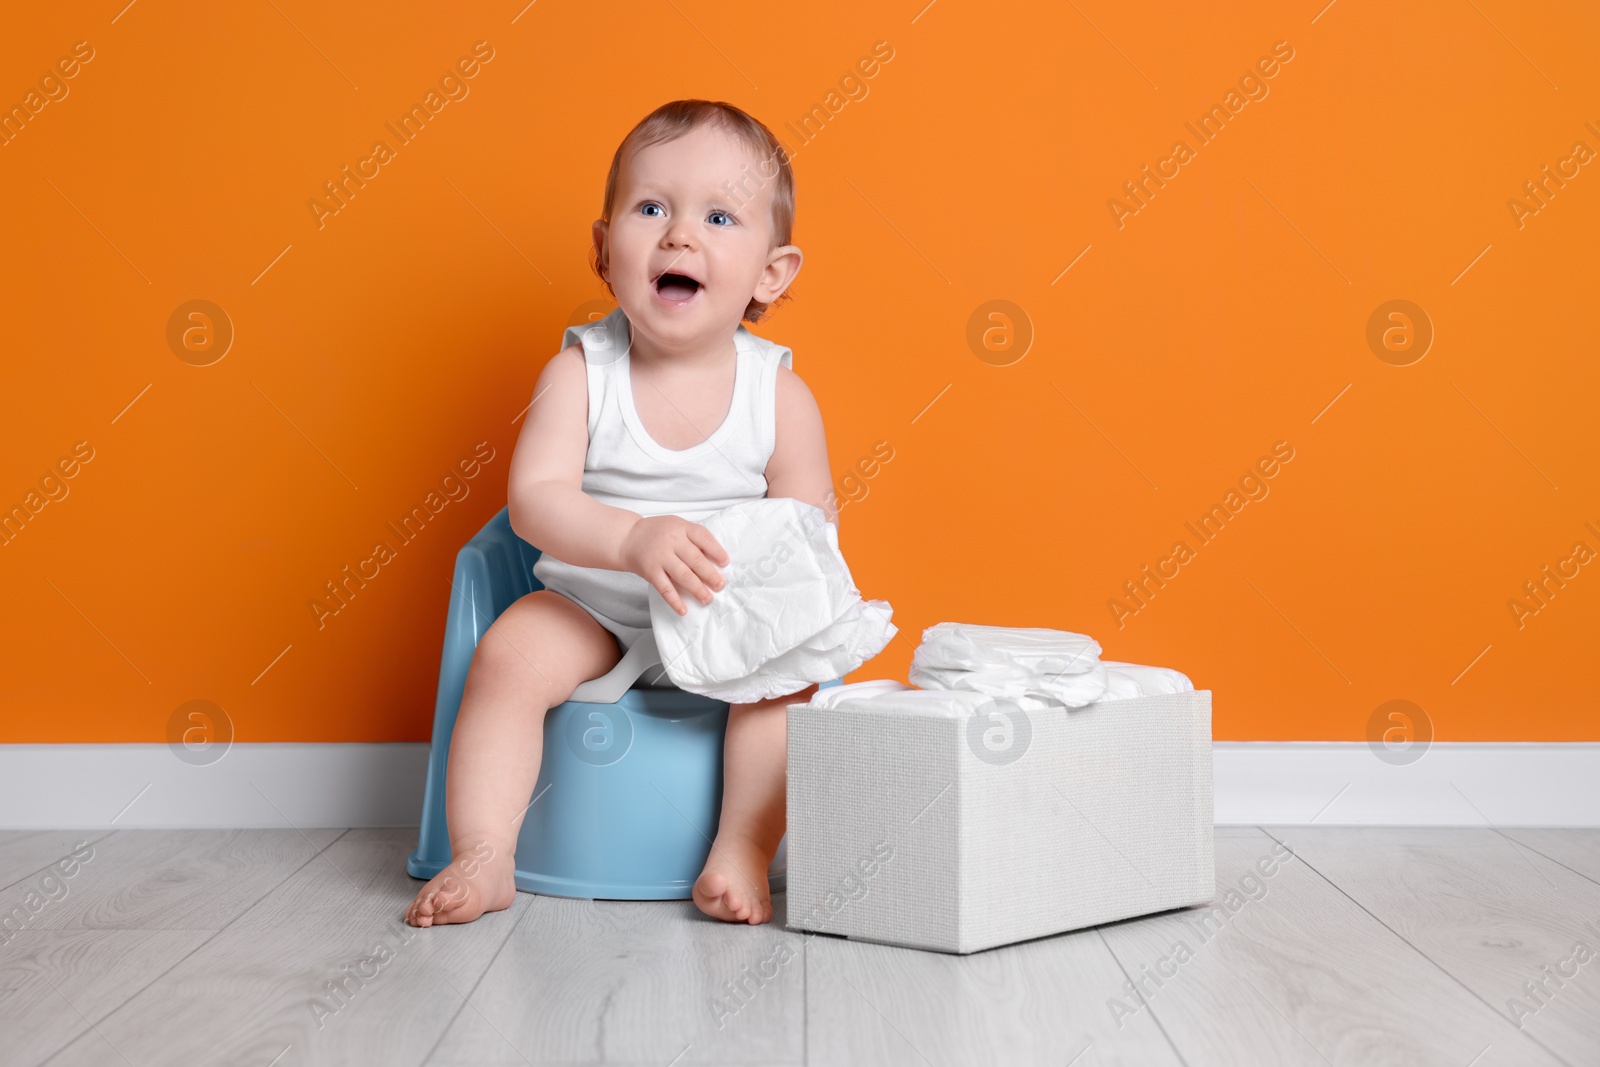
pixel 626 468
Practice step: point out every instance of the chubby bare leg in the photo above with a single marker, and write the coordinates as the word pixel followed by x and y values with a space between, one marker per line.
pixel 733 884
pixel 537 652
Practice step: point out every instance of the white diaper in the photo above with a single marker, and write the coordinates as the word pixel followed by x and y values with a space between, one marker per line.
pixel 1010 662
pixel 962 668
pixel 789 615
pixel 1125 681
pixel 888 695
pixel 835 695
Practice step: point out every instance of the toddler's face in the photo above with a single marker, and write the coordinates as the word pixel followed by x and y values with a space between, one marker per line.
pixel 690 238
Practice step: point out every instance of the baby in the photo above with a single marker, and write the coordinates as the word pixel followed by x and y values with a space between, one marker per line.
pixel 667 412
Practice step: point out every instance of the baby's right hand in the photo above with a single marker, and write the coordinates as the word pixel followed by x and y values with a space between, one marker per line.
pixel 668 549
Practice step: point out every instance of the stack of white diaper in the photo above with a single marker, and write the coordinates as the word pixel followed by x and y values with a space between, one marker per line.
pixel 789 615
pixel 962 666
pixel 1010 662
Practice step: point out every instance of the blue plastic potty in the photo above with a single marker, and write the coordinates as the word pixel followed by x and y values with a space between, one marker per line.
pixel 630 787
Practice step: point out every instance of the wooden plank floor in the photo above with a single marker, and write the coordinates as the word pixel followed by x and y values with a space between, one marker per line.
pixel 1363 946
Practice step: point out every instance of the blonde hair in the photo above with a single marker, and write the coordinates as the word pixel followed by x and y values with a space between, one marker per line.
pixel 671 121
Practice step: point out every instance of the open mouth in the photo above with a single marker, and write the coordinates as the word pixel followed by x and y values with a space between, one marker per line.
pixel 676 288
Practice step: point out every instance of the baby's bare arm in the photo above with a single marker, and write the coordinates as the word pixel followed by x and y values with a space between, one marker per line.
pixel 799 464
pixel 548 507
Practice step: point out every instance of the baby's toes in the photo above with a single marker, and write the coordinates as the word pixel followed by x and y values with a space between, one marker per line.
pixel 423 908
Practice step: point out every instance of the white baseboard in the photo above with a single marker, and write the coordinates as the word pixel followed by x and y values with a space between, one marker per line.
pixel 340 785
pixel 253 785
pixel 1338 783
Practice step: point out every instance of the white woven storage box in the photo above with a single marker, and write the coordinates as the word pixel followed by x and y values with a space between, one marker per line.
pixel 960 833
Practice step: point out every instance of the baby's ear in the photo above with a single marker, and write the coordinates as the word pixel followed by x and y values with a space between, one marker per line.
pixel 783 264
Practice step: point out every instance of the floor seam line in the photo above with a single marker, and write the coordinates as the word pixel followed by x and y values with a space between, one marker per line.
pixel 1557 862
pixel 52 863
pixel 487 967
pixel 805 987
pixel 1473 993
pixel 243 912
pixel 1173 1045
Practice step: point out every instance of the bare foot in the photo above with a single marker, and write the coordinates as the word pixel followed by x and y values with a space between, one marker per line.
pixel 479 879
pixel 733 885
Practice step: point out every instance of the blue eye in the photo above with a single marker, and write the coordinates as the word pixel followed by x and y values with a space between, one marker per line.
pixel 724 214
pixel 647 205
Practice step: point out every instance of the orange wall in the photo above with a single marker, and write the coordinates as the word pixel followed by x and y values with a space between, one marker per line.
pixel 376 347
